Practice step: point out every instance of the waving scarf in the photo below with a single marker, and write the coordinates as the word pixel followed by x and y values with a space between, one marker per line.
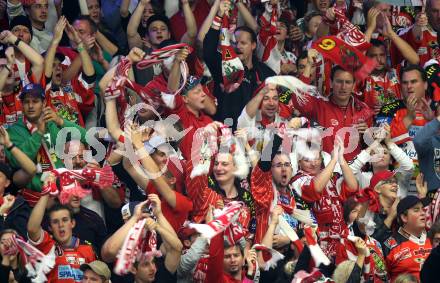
pixel 139 245
pixel 267 49
pixel 155 93
pixel 36 263
pixel 228 215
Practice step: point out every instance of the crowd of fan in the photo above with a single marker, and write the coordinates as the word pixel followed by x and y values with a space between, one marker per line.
pixel 219 141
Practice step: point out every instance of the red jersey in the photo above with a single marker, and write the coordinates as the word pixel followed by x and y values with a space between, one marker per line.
pixel 406 253
pixel 201 190
pixel 189 121
pixel 381 90
pixel 67 260
pixel 10 104
pixel 177 22
pixel 72 101
pixel 327 206
pixel 333 118
pixel 426 46
pixel 215 273
pixel 266 196
pixel 403 137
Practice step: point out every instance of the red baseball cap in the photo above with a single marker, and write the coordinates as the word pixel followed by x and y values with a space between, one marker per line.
pixel 185 232
pixel 381 176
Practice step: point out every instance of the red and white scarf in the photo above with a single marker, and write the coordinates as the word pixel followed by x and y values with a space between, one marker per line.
pixel 267 47
pixel 348 32
pixel 139 245
pixel 229 214
pixel 270 256
pixel 36 263
pixel 232 67
pixel 70 185
pixel 155 93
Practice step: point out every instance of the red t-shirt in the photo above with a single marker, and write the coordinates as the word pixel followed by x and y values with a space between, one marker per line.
pixel 177 22
pixel 189 121
pixel 67 260
pixel 176 216
pixel 73 101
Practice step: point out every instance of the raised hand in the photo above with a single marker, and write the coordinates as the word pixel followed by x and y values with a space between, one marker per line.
pixel 422 186
pixel 361 247
pixel 4 137
pixel 372 18
pixel 295 33
pixel 224 8
pixel 136 54
pixel 7 37
pixel 59 29
pixel 181 56
pixel 10 55
pixel 274 216
pixel 50 115
pixel 426 110
pixel 72 34
pixel 155 200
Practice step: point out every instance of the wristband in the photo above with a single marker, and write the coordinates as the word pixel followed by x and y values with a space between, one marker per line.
pixel 10 147
pixel 17 42
pixel 7 68
pixel 80 48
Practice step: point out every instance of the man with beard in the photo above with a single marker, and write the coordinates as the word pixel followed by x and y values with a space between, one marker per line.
pixel 409 247
pixel 68 250
pixel 231 104
pixel 37 11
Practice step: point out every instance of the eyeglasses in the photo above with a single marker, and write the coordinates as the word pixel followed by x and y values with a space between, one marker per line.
pixel 280 165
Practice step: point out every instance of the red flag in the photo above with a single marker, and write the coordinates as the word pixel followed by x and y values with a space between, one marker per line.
pixel 345 55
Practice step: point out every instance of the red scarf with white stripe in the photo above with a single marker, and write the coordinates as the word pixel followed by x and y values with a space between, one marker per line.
pixel 267 50
pixel 156 91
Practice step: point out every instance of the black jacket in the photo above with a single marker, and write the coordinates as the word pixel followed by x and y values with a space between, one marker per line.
pixel 230 105
pixel 17 217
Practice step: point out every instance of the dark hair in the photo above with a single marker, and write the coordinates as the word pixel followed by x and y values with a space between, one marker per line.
pixel 337 68
pixel 6 231
pixel 158 17
pixel 248 30
pixel 58 207
pixel 92 24
pixel 435 228
pixel 377 43
pixel 412 67
pixel 348 207
pixel 310 15
pixel 302 55
pixel 399 219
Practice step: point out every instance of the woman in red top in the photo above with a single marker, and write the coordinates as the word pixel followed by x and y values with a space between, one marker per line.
pixel 326 192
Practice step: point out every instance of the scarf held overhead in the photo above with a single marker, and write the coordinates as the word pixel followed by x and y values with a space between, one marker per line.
pixel 345 55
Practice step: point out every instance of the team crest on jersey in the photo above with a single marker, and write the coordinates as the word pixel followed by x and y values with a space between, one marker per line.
pixel 390 243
